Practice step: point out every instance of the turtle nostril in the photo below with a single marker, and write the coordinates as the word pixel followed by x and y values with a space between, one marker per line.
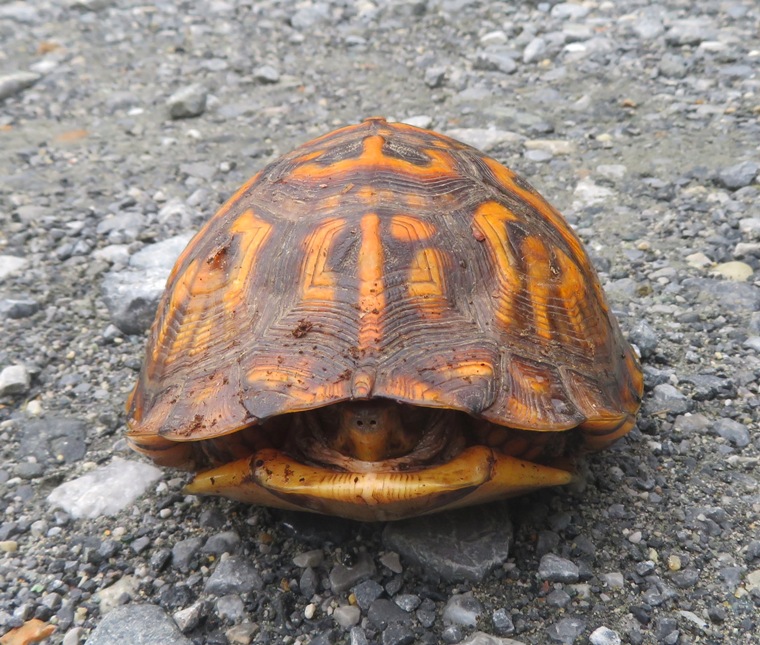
pixel 359 422
pixel 373 422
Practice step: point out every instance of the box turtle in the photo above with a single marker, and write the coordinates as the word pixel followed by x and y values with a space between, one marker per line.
pixel 384 322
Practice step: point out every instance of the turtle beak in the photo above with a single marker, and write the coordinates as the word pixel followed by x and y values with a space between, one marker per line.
pixel 477 475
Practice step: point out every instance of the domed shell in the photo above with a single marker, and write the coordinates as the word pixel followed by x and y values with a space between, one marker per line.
pixel 382 260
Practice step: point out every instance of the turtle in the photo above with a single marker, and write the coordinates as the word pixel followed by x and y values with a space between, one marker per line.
pixel 383 323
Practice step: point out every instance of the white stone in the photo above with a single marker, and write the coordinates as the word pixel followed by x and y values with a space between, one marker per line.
pixel 494 38
pixel 743 249
pixel 14 379
pixel 106 490
pixel 109 598
pixel 113 254
pixel 555 146
pixel 347 615
pixel 11 84
pixel 481 638
pixel 736 271
pixel 612 171
pixel 10 264
pixel 752 581
pixel 750 226
pixel 587 193
pixel 484 139
pixel 613 580
pixel 698 260
pixel 311 558
pixel 419 121
pixel 604 636
pixel 694 619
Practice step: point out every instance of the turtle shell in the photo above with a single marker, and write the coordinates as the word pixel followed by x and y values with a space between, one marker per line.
pixel 382 262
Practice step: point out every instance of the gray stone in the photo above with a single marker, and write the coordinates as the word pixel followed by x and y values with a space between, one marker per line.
pixel 184 552
pixel 644 337
pixel 667 399
pixel 502 621
pixel 226 542
pixel 753 551
pixel 23 12
pixel 569 11
pixel 14 379
pixel 685 579
pixel 188 102
pixel 407 601
pixel 739 175
pixel 750 227
pixel 614 579
pixel 495 62
pixel 690 31
pixel 367 592
pixel 308 583
pixel 310 16
pixel 566 631
pixel 140 544
pixel 434 76
pixel 343 577
pixel 74 636
pixel 556 569
pixel 535 50
pixel 398 634
pixel 29 470
pixel 266 74
pixel 673 66
pixel 558 598
pixel 392 561
pixel 358 636
pixel 17 308
pixel 230 608
pixel 233 575
pixel 12 84
pixel 137 625
pixel 132 295
pixel 383 612
pixel 132 298
pixel 60 438
pixel 732 431
pixel 458 545
pixel 90 5
pixel 176 211
pixel 648 26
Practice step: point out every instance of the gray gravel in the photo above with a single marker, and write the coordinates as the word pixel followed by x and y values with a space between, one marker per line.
pixel 124 125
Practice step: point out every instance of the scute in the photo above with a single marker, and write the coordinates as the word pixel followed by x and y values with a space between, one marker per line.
pixel 382 260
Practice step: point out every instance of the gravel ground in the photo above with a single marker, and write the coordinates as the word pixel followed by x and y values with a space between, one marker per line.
pixel 124 125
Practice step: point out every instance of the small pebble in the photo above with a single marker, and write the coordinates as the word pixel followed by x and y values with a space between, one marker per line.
pixel 188 102
pixel 462 609
pixel 347 615
pixel 604 636
pixel 556 569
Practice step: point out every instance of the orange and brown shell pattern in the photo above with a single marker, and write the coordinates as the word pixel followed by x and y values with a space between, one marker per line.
pixel 384 322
